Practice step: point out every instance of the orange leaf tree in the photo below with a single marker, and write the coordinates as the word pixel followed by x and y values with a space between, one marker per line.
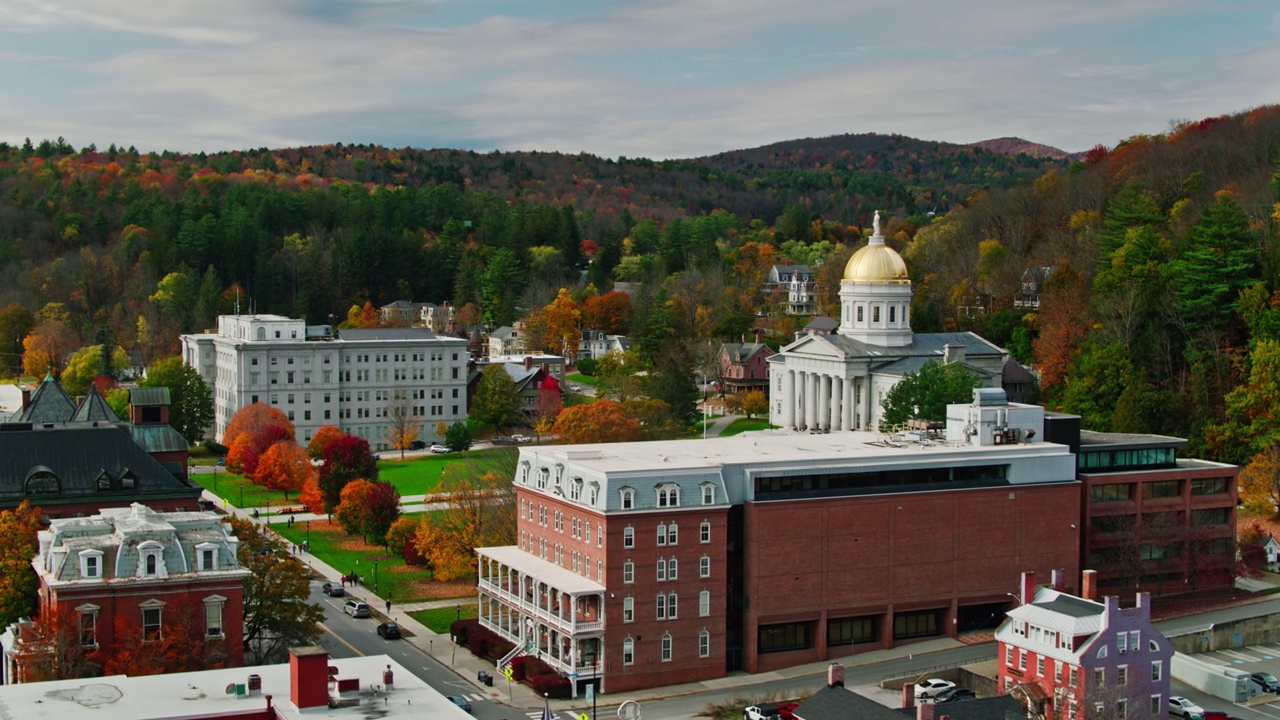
pixel 403 424
pixel 1260 481
pixel 481 513
pixel 134 654
pixel 1064 322
pixel 253 419
pixel 285 466
pixel 248 449
pixel 562 318
pixel 325 434
pixel 310 496
pixel 600 421
pixel 47 349
pixel 351 509
pixel 18 584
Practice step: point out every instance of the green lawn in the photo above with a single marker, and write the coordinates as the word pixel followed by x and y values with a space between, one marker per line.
pixel 200 455
pixel 347 554
pixel 439 619
pixel 742 425
pixel 581 379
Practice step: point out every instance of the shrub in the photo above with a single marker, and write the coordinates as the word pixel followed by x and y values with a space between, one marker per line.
pixel 587 366
pixel 214 447
pixel 517 667
pixel 552 685
pixel 461 629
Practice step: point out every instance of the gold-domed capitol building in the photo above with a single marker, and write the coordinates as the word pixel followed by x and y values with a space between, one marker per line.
pixel 837 382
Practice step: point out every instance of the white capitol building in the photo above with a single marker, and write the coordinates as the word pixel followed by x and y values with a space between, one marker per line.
pixel 837 382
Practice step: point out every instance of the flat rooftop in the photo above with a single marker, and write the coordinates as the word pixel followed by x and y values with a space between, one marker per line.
pixel 772 446
pixel 204 694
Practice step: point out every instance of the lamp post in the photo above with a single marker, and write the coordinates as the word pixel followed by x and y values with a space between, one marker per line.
pixel 459 612
pixel 375 576
pixel 242 497
pixel 215 479
pixel 308 532
pixel 591 657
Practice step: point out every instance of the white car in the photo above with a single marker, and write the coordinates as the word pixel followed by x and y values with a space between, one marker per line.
pixel 518 438
pixel 760 712
pixel 932 686
pixel 1184 707
pixel 439 449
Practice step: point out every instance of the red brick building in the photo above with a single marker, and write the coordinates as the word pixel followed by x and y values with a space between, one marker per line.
pixel 140 565
pixel 646 564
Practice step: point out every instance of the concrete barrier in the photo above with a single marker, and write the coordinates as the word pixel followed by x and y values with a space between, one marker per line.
pixel 1259 630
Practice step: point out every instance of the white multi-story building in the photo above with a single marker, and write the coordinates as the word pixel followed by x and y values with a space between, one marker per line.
pixel 352 380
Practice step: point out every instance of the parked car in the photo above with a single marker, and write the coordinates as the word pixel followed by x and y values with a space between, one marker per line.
pixel 356 609
pixel 440 449
pixel 1268 681
pixel 460 702
pixel 222 460
pixel 955 694
pixel 332 590
pixel 787 711
pixel 517 438
pixel 205 504
pixel 418 445
pixel 389 631
pixel 760 712
pixel 931 687
pixel 1218 715
pixel 1183 707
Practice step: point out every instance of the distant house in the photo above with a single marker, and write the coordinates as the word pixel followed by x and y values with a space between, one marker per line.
pixel 1270 549
pixel 595 344
pixel 437 318
pixel 530 378
pixel 506 341
pixel 1064 655
pixel 743 367
pixel 1031 286
pixel 819 326
pixel 400 313
pixel 797 282
pixel 1019 383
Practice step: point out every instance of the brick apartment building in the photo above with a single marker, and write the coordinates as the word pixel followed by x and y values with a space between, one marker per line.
pixel 1068 657
pixel 645 564
pixel 138 564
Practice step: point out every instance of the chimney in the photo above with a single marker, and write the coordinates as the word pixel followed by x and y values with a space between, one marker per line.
pixel 908 695
pixel 835 675
pixel 1110 610
pixel 952 353
pixel 1144 604
pixel 308 676
pixel 528 362
pixel 1089 585
pixel 388 677
pixel 758 333
pixel 924 711
pixel 1028 587
pixel 1059 580
pixel 26 398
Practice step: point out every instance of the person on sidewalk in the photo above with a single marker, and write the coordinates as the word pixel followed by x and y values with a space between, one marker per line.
pixel 388 606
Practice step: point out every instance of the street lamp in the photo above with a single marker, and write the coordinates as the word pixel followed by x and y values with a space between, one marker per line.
pixel 215 479
pixel 242 497
pixel 459 611
pixel 375 576
pixel 308 532
pixel 591 658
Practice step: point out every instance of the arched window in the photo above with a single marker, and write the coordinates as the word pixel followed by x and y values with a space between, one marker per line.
pixel 262 333
pixel 42 481
pixel 666 647
pixel 704 532
pixel 668 496
pixel 708 494
pixel 594 494
pixel 704 603
pixel 628 497
pixel 704 644
pixel 628 652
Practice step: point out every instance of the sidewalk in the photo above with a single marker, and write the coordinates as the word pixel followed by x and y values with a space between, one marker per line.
pixel 518 695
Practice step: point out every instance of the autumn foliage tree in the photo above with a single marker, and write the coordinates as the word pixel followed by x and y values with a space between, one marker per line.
pixel 18 528
pixel 600 421
pixel 1260 481
pixel 47 349
pixel 277 612
pixel 345 459
pixel 254 419
pixel 562 319
pixel 481 513
pixel 351 507
pixel 610 312
pixel 324 435
pixel 285 466
pixel 1064 323
pixel 368 509
pixel 246 453
pixel 51 647
pixel 310 496
pixel 403 424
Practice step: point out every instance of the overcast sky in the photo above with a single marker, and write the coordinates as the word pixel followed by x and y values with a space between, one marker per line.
pixel 654 78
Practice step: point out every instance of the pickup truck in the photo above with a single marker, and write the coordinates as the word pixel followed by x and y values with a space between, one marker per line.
pixel 760 712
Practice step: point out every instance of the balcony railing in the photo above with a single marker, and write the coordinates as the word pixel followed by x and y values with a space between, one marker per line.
pixel 532 609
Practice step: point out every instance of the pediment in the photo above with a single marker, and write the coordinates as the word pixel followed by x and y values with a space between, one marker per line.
pixel 814 346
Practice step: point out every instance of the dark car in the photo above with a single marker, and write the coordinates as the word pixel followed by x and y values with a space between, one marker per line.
pixel 1268 681
pixel 418 445
pixel 205 504
pixel 460 702
pixel 222 460
pixel 332 590
pixel 955 694
pixel 389 631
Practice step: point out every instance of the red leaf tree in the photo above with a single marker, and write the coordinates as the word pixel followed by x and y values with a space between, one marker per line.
pixel 610 312
pixel 345 459
pixel 285 466
pixel 247 450
pixel 253 419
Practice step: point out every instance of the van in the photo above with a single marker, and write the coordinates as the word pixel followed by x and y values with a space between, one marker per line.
pixel 356 609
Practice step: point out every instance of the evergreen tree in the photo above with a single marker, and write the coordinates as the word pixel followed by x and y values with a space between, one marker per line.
pixel 1220 259
pixel 1130 208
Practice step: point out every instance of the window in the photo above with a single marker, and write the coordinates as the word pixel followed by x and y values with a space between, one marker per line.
pixel 628 572
pixel 662 535
pixel 847 631
pixel 1099 677
pixel 150 623
pixel 1122 675
pixel 704 532
pixel 1122 641
pixel 1040 666
pixel 1162 489
pixel 1122 708
pixel 661 606
pixel 784 637
pixel 671 606
pixel 704 603
pixel 213 615
pixel 875 313
pixel 662 570
pixel 628 609
pixel 1209 486
pixel 90 564
pixel 1157 669
pixel 600 535
pixel 704 644
pixel 628 498
pixel 708 494
pixel 88 625
pixel 1107 493
pixel 1008 655
pixel 924 623
pixel 1157 707
pixel 671 569
pixel 1022 659
pixel 671 534
pixel 599 571
pixel 669 496
pixel 666 647
pixel 628 652
pixel 704 567
pixel 859 313
pixel 892 313
pixel 152 564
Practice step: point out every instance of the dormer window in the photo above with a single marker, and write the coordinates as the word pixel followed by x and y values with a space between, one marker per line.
pixel 150 559
pixel 575 488
pixel 90 564
pixel 628 498
pixel 207 557
pixel 593 493
pixel 102 483
pixel 668 496
pixel 42 481
pixel 524 473
pixel 127 480
pixel 708 494
pixel 543 476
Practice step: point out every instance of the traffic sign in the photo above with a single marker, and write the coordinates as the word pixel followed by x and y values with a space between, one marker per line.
pixel 506 672
pixel 583 716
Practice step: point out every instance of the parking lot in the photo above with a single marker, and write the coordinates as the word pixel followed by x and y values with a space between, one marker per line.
pixel 1255 658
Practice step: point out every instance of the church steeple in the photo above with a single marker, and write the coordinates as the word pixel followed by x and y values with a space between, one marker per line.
pixel 875 295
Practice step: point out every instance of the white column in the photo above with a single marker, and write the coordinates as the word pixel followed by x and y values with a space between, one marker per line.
pixel 824 401
pixel 811 401
pixel 837 396
pixel 866 403
pixel 788 398
pixel 847 410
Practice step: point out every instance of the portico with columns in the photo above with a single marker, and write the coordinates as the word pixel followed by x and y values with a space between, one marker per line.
pixel 830 383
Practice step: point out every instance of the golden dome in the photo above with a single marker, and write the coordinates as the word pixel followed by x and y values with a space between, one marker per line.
pixel 876 263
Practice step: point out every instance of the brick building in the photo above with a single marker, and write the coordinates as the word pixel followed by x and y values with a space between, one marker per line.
pixel 138 564
pixel 743 366
pixel 1069 657
pixel 645 564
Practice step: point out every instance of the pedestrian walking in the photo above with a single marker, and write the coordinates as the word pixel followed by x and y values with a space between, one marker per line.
pixel 388 606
